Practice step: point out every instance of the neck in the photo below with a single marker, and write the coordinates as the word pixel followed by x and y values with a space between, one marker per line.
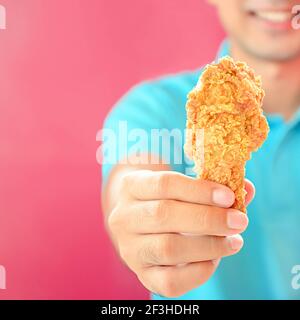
pixel 281 81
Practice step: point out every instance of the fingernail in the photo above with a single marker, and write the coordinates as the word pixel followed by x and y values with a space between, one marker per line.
pixel 222 197
pixel 236 242
pixel 236 219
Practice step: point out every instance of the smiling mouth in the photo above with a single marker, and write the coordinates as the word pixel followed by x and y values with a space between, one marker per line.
pixel 273 16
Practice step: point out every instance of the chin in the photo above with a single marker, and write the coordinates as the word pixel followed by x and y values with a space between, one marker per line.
pixel 273 50
pixel 275 56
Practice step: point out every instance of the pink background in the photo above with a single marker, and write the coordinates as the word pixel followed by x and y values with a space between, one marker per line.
pixel 63 63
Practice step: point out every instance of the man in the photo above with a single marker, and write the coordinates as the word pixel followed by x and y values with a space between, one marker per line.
pixel 152 209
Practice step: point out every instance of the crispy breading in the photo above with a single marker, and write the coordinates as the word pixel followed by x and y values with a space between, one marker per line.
pixel 225 124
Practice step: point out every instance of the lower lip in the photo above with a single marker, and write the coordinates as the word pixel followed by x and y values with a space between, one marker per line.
pixel 270 25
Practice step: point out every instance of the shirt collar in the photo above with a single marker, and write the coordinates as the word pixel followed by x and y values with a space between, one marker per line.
pixel 224 50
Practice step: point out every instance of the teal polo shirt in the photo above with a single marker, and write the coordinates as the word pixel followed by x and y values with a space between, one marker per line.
pixel 268 267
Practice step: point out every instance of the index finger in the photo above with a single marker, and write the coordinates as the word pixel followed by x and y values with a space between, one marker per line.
pixel 155 185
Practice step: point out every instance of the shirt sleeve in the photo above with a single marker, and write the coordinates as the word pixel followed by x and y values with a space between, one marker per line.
pixel 131 127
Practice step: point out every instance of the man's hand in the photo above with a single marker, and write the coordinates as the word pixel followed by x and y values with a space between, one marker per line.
pixel 172 230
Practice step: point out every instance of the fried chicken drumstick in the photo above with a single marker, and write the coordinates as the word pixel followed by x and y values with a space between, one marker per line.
pixel 225 124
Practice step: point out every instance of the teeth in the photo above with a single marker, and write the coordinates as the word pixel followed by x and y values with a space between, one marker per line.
pixel 274 16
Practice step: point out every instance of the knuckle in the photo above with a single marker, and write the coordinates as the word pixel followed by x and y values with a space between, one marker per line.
pixel 204 185
pixel 148 256
pixel 142 212
pixel 163 183
pixel 216 246
pixel 204 219
pixel 166 247
pixel 161 210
